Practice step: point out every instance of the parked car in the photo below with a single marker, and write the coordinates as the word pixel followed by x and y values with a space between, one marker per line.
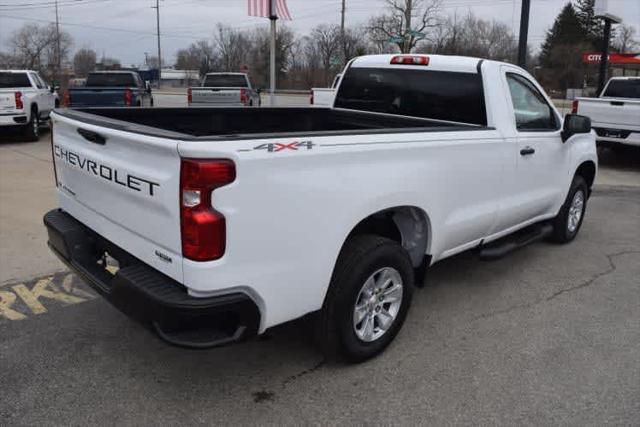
pixel 111 89
pixel 25 101
pixel 615 114
pixel 224 89
pixel 321 96
pixel 226 222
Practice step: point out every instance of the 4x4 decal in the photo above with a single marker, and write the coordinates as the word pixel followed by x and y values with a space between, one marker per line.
pixel 275 147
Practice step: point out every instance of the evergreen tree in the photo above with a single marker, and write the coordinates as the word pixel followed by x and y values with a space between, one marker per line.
pixel 567 29
pixel 593 26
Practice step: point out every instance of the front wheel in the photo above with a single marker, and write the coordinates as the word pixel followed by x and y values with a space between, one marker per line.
pixel 368 298
pixel 569 220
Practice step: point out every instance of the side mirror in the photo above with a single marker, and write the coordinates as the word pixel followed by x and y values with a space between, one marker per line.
pixel 575 124
pixel 52 89
pixel 147 86
pixel 259 90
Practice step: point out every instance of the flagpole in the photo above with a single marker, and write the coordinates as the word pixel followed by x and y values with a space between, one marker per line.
pixel 272 60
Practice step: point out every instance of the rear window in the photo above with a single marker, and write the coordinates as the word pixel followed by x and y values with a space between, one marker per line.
pixel 10 80
pixel 441 95
pixel 623 89
pixel 111 80
pixel 225 80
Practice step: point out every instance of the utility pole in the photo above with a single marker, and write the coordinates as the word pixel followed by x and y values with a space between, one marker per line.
pixel 524 33
pixel 604 55
pixel 157 8
pixel 342 34
pixel 407 18
pixel 58 72
pixel 273 17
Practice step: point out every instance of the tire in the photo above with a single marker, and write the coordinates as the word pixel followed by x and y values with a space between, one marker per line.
pixel 31 130
pixel 569 220
pixel 362 265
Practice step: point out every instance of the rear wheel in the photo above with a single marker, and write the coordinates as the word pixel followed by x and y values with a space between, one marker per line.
pixel 31 130
pixel 569 220
pixel 367 300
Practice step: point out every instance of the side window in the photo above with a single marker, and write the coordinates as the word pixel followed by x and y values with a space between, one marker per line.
pixel 39 83
pixel 531 108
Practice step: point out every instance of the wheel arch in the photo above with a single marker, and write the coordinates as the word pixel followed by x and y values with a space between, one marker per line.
pixel 410 226
pixel 587 170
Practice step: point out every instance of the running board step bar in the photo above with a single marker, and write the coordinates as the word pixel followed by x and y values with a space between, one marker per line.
pixel 500 248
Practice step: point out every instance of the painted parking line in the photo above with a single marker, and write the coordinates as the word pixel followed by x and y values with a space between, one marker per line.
pixel 21 300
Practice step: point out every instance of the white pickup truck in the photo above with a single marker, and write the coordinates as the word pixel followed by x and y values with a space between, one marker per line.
pixel 615 115
pixel 323 96
pixel 212 225
pixel 224 89
pixel 25 101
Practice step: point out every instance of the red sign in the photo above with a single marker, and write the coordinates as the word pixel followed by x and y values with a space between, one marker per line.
pixel 614 58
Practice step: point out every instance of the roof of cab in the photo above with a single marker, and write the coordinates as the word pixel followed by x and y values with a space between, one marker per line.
pixel 462 64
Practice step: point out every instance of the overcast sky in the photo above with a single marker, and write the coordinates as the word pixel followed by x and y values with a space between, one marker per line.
pixel 125 29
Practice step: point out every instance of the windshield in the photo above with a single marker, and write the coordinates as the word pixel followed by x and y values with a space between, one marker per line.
pixel 11 80
pixel 111 80
pixel 623 89
pixel 225 80
pixel 441 95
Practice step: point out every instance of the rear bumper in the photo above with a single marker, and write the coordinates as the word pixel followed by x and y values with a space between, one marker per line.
pixel 147 295
pixel 613 136
pixel 13 119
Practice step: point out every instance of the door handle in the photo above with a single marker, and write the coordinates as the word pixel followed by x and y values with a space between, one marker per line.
pixel 527 151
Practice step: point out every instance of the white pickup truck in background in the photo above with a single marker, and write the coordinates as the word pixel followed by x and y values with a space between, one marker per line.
pixel 223 223
pixel 323 96
pixel 25 101
pixel 224 89
pixel 615 114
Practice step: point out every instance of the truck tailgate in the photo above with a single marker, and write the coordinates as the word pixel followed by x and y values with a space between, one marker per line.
pixel 7 101
pixel 213 96
pixel 611 113
pixel 124 186
pixel 96 97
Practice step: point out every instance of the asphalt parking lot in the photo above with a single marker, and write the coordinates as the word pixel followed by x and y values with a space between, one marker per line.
pixel 547 335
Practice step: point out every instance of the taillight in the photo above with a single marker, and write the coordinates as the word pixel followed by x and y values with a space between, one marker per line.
pixel 244 99
pixel 189 96
pixel 574 106
pixel 128 97
pixel 66 99
pixel 410 60
pixel 311 98
pixel 203 228
pixel 18 97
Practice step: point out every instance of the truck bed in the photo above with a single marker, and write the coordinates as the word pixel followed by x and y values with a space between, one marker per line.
pixel 245 123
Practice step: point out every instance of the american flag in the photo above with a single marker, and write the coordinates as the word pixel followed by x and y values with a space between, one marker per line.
pixel 261 8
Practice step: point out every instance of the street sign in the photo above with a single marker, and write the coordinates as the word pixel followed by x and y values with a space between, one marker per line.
pixel 613 58
pixel 396 39
pixel 417 34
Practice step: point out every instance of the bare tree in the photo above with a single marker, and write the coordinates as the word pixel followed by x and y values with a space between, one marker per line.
pixel 34 47
pixel 198 56
pixel 232 46
pixel 404 23
pixel 473 36
pixel 625 39
pixel 322 50
pixel 84 61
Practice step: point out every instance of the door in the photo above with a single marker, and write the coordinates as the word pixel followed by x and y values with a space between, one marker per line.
pixel 537 181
